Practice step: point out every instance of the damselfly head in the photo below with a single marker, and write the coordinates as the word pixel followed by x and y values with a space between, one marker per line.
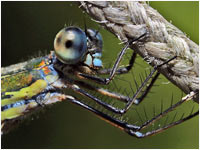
pixel 70 45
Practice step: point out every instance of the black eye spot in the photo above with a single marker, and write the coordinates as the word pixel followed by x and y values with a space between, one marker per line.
pixel 68 44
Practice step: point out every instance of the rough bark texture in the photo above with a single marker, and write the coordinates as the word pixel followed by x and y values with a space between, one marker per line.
pixel 130 19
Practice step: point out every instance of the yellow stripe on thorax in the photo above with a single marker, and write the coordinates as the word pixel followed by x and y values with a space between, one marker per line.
pixel 16 111
pixel 25 93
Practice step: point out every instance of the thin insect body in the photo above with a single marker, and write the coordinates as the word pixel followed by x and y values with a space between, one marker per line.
pixel 38 81
pixel 77 54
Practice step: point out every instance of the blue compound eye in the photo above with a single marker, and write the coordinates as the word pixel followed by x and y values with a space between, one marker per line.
pixel 70 45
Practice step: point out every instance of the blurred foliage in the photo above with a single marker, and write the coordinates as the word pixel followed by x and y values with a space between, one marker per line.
pixel 28 30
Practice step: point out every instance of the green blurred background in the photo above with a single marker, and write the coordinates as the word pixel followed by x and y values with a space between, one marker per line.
pixel 29 28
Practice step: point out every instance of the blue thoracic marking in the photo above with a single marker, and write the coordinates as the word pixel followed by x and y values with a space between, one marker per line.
pixel 97 62
pixel 97 55
pixel 88 60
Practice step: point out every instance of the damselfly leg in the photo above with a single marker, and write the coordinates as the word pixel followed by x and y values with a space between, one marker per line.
pixel 135 130
pixel 132 100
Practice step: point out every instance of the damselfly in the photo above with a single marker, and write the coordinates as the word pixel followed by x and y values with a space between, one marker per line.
pixel 47 62
pixel 35 83
pixel 77 55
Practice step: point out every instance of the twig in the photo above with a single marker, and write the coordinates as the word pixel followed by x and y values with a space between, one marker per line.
pixel 130 19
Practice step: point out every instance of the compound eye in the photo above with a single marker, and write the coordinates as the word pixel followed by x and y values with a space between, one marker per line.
pixel 70 45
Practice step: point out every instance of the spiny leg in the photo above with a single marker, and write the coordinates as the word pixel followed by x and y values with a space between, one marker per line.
pixel 146 91
pixel 143 85
pixel 129 128
pixel 67 83
pixel 111 94
pixel 104 104
pixel 113 121
pixel 103 91
pixel 115 67
pixel 62 84
pixel 131 101
pixel 171 108
pixel 142 135
pixel 133 129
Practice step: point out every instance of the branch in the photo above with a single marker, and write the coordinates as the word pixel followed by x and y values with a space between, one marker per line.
pixel 130 19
